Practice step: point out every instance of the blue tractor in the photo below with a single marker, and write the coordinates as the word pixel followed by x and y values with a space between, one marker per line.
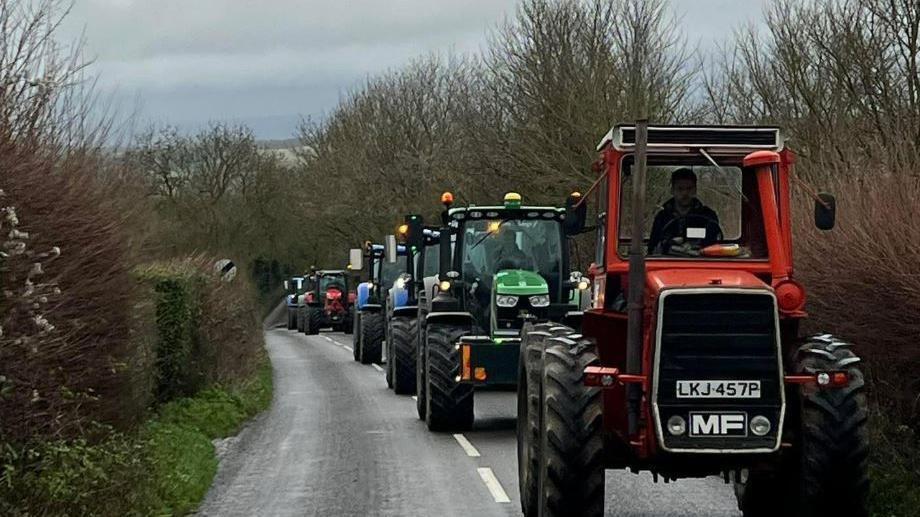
pixel 403 301
pixel 293 287
pixel 371 299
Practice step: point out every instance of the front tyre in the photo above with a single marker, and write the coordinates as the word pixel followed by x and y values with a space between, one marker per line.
pixel 402 361
pixel 834 438
pixel 314 320
pixel 529 396
pixel 571 469
pixel 371 350
pixel 449 404
pixel 826 472
pixel 356 337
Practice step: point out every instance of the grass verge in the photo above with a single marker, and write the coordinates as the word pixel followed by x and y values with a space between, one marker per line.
pixel 164 469
pixel 894 470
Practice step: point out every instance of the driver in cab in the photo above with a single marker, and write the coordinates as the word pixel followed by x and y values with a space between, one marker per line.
pixel 683 219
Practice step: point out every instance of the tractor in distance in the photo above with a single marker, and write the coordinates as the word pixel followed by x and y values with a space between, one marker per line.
pixel 421 248
pixel 500 266
pixel 369 323
pixel 689 362
pixel 293 287
pixel 327 302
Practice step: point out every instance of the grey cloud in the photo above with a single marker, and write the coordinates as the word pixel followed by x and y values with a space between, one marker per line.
pixel 268 61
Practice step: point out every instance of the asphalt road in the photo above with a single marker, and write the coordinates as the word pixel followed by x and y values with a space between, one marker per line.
pixel 337 442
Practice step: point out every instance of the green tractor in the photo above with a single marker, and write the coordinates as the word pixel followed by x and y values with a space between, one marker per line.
pixel 499 268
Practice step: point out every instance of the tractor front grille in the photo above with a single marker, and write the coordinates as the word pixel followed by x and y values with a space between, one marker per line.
pixel 510 317
pixel 705 337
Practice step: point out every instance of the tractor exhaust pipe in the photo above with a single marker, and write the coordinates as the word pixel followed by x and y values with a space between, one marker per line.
pixel 636 305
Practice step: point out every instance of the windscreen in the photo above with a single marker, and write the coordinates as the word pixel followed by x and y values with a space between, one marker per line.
pixel 327 281
pixel 388 273
pixel 490 246
pixel 695 210
pixel 432 252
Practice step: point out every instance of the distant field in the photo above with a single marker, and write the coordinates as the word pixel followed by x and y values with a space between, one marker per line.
pixel 287 148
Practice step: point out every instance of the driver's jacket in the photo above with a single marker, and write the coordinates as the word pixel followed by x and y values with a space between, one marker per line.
pixel 670 224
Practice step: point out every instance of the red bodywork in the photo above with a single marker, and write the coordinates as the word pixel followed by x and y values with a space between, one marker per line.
pixel 770 183
pixel 333 304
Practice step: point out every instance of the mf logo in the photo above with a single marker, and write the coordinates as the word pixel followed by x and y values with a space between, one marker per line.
pixel 718 424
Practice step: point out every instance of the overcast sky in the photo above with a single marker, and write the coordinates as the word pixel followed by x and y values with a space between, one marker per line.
pixel 269 62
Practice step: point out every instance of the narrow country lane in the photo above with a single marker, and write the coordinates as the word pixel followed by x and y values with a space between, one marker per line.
pixel 337 442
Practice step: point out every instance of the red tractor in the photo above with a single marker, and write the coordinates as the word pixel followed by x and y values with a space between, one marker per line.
pixel 327 302
pixel 690 362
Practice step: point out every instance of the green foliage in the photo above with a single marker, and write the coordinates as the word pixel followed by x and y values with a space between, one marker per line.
pixel 182 465
pixel 164 469
pixel 177 288
pixel 218 412
pixel 894 469
pixel 75 478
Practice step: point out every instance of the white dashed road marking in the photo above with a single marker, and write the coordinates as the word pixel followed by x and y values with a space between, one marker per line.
pixel 495 488
pixel 467 446
pixel 377 367
pixel 350 349
pixel 414 397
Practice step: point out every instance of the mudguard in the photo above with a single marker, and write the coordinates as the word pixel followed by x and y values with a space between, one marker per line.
pixel 406 310
pixel 363 294
pixel 453 318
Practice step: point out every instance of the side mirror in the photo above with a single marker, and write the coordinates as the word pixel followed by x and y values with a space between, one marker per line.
pixel 355 258
pixel 389 249
pixel 575 214
pixel 825 211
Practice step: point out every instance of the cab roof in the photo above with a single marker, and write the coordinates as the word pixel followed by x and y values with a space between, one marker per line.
pixel 500 208
pixel 733 139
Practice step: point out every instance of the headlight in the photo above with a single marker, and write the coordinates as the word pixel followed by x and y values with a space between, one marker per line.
pixel 503 300
pixel 444 286
pixel 401 283
pixel 540 300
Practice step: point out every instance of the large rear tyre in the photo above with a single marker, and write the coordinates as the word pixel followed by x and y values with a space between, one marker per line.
pixel 356 337
pixel 421 331
pixel 300 320
pixel 314 320
pixel 402 362
pixel 571 469
pixel 449 404
pixel 349 326
pixel 371 338
pixel 529 396
pixel 828 465
pixel 388 345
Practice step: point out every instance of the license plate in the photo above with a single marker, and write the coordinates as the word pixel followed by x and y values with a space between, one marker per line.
pixel 718 389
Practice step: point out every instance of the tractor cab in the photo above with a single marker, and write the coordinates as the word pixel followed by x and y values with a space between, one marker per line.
pixel 510 265
pixel 293 287
pixel 501 267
